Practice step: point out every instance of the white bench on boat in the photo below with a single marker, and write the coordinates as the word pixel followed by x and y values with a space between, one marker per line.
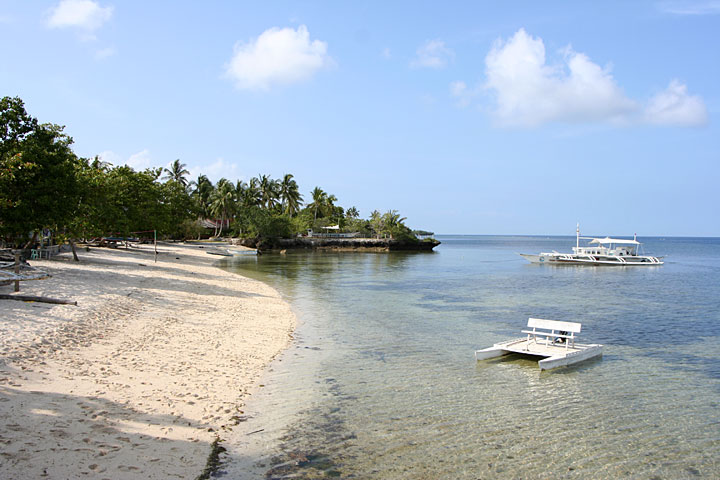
pixel 552 331
pixel 556 344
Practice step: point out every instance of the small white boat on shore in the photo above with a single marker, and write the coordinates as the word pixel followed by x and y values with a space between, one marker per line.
pixel 599 251
pixel 552 340
pixel 227 252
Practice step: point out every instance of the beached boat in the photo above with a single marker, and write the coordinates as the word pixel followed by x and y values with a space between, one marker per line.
pixel 599 251
pixel 552 340
pixel 228 252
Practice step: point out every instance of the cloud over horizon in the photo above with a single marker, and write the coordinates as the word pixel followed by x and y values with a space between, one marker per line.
pixel 528 91
pixel 277 57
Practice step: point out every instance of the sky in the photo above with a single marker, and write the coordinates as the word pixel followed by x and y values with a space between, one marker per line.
pixel 466 117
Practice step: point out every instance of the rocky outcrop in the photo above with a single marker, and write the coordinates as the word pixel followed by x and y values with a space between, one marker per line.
pixel 341 244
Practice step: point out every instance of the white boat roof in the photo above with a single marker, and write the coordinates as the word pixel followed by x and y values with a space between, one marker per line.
pixel 618 241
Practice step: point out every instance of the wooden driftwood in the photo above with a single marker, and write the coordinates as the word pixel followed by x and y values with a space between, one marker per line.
pixel 33 298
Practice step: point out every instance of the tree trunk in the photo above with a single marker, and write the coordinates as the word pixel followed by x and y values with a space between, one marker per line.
pixel 32 241
pixel 74 251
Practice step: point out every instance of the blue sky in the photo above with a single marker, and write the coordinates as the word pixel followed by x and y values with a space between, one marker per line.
pixel 467 117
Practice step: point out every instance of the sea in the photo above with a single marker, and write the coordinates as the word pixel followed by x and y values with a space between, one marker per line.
pixel 380 381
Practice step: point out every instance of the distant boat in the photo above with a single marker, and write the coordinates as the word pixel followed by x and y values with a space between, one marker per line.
pixel 599 251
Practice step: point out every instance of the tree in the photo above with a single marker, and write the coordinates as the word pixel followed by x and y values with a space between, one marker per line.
pixel 88 213
pixel 268 191
pixel 37 174
pixel 176 207
pixel 290 195
pixel 222 202
pixel 248 193
pixel 203 190
pixel 376 223
pixel 352 212
pixel 334 212
pixel 394 226
pixel 319 198
pixel 176 173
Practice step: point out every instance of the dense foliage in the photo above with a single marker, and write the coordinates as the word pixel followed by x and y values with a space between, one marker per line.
pixel 44 185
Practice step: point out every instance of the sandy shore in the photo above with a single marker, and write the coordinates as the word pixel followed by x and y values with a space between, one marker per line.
pixel 140 377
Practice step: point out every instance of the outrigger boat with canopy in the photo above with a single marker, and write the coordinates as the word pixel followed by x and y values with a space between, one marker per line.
pixel 599 251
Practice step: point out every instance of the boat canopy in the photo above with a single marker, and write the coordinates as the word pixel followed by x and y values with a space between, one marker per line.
pixel 617 241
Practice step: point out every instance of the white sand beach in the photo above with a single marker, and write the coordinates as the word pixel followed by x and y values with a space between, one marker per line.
pixel 140 377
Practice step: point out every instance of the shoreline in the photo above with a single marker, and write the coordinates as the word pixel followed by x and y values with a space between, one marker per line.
pixel 140 378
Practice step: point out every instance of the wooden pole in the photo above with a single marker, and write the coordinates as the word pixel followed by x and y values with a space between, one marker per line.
pixel 155 236
pixel 17 270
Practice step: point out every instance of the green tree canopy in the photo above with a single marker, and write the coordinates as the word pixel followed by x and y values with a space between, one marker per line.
pixel 38 182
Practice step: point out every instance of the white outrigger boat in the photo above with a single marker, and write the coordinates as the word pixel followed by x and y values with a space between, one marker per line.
pixel 599 251
pixel 556 344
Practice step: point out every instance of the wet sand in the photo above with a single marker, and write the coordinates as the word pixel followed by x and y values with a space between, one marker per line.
pixel 137 380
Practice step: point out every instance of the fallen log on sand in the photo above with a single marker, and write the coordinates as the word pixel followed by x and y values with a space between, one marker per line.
pixel 33 298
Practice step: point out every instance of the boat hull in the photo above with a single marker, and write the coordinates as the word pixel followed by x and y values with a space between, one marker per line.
pixel 553 355
pixel 561 259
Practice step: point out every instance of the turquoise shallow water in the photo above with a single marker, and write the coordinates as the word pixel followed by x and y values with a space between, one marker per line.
pixel 381 380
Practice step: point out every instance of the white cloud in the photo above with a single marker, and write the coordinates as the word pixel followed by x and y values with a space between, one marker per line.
pixel 84 14
pixel 386 53
pixel 531 92
pixel 460 90
pixel 215 171
pixel 104 53
pixel 673 106
pixel 140 161
pixel 137 161
pixel 111 157
pixel 528 91
pixel 691 8
pixel 432 54
pixel 277 57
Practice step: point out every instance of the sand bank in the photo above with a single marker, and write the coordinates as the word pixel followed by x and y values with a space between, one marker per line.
pixel 138 379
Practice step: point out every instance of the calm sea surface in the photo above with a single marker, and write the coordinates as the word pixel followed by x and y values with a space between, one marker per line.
pixel 381 382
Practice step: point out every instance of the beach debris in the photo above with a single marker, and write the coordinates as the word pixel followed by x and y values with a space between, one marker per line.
pixel 34 298
pixel 212 467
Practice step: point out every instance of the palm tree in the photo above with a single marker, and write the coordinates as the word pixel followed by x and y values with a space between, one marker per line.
pixel 99 165
pixel 319 200
pixel 248 194
pixel 202 192
pixel 290 195
pixel 393 222
pixel 376 222
pixel 268 191
pixel 222 202
pixel 176 172
pixel 352 212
